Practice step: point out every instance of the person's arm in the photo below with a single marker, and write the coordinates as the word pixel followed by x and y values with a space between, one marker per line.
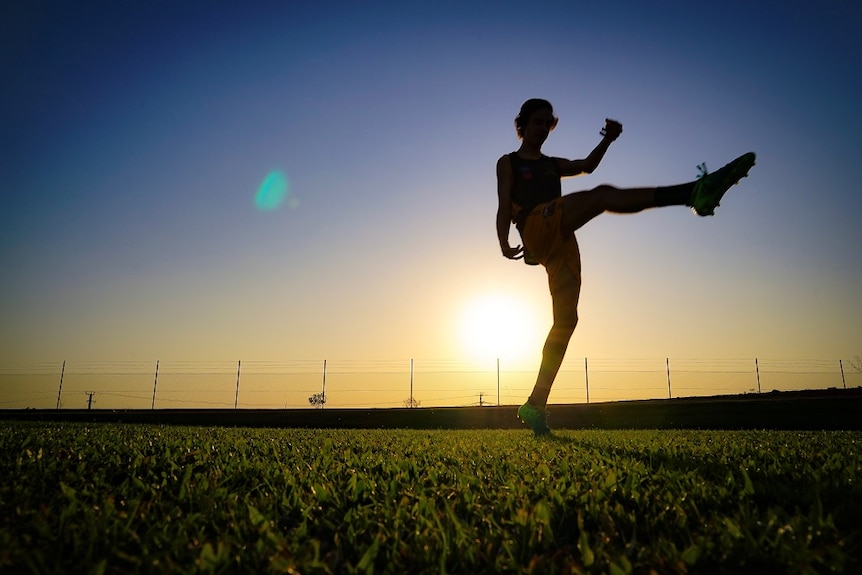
pixel 611 132
pixel 505 185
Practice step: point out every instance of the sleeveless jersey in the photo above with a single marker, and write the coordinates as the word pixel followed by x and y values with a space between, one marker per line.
pixel 536 182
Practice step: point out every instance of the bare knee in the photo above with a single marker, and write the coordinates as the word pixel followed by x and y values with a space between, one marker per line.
pixel 558 339
pixel 565 323
pixel 603 189
pixel 608 198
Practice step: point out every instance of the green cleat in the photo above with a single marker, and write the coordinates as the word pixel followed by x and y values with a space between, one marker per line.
pixel 535 418
pixel 709 188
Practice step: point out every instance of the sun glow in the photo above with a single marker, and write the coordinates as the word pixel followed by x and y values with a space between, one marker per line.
pixel 501 326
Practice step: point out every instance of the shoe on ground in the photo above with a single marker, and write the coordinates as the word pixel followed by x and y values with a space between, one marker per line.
pixel 535 418
pixel 709 188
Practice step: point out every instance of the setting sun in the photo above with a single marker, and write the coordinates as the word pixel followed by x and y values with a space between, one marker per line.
pixel 500 326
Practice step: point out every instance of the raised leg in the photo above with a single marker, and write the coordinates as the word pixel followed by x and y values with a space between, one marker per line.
pixel 581 207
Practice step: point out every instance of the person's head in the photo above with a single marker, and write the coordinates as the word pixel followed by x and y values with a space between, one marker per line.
pixel 535 111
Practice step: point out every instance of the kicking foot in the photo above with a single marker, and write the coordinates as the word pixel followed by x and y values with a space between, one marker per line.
pixel 535 418
pixel 709 188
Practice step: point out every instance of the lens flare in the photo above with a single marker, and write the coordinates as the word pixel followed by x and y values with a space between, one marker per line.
pixel 272 191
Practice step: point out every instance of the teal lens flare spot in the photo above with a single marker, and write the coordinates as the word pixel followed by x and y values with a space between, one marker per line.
pixel 272 191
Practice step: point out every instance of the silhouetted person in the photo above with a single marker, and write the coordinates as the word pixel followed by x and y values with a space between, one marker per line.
pixel 530 196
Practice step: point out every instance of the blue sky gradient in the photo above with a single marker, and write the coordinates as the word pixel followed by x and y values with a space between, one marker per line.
pixel 135 137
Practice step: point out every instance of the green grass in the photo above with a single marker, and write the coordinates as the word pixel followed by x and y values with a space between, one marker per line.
pixel 112 498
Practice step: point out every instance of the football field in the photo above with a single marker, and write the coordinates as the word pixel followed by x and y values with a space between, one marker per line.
pixel 122 498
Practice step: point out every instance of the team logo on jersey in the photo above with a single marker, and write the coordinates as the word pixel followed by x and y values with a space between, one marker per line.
pixel 526 173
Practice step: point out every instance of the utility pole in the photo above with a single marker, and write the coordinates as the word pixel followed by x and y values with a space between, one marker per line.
pixel 90 395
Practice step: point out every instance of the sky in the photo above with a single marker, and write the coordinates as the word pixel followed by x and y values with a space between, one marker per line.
pixel 292 181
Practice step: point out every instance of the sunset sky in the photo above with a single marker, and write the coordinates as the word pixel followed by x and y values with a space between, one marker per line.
pixel 135 138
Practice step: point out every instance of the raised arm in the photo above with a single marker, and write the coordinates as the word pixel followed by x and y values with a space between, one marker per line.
pixel 611 132
pixel 505 185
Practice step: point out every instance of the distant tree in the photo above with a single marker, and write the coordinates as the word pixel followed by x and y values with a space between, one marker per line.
pixel 411 402
pixel 318 400
pixel 856 363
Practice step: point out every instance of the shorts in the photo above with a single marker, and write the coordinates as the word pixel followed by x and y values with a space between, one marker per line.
pixel 558 252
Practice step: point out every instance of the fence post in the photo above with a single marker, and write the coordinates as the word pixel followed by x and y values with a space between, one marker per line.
pixel 757 371
pixel 587 379
pixel 236 398
pixel 155 382
pixel 60 390
pixel 323 392
pixel 667 363
pixel 843 381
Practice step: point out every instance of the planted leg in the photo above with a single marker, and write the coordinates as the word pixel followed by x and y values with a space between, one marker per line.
pixel 565 286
